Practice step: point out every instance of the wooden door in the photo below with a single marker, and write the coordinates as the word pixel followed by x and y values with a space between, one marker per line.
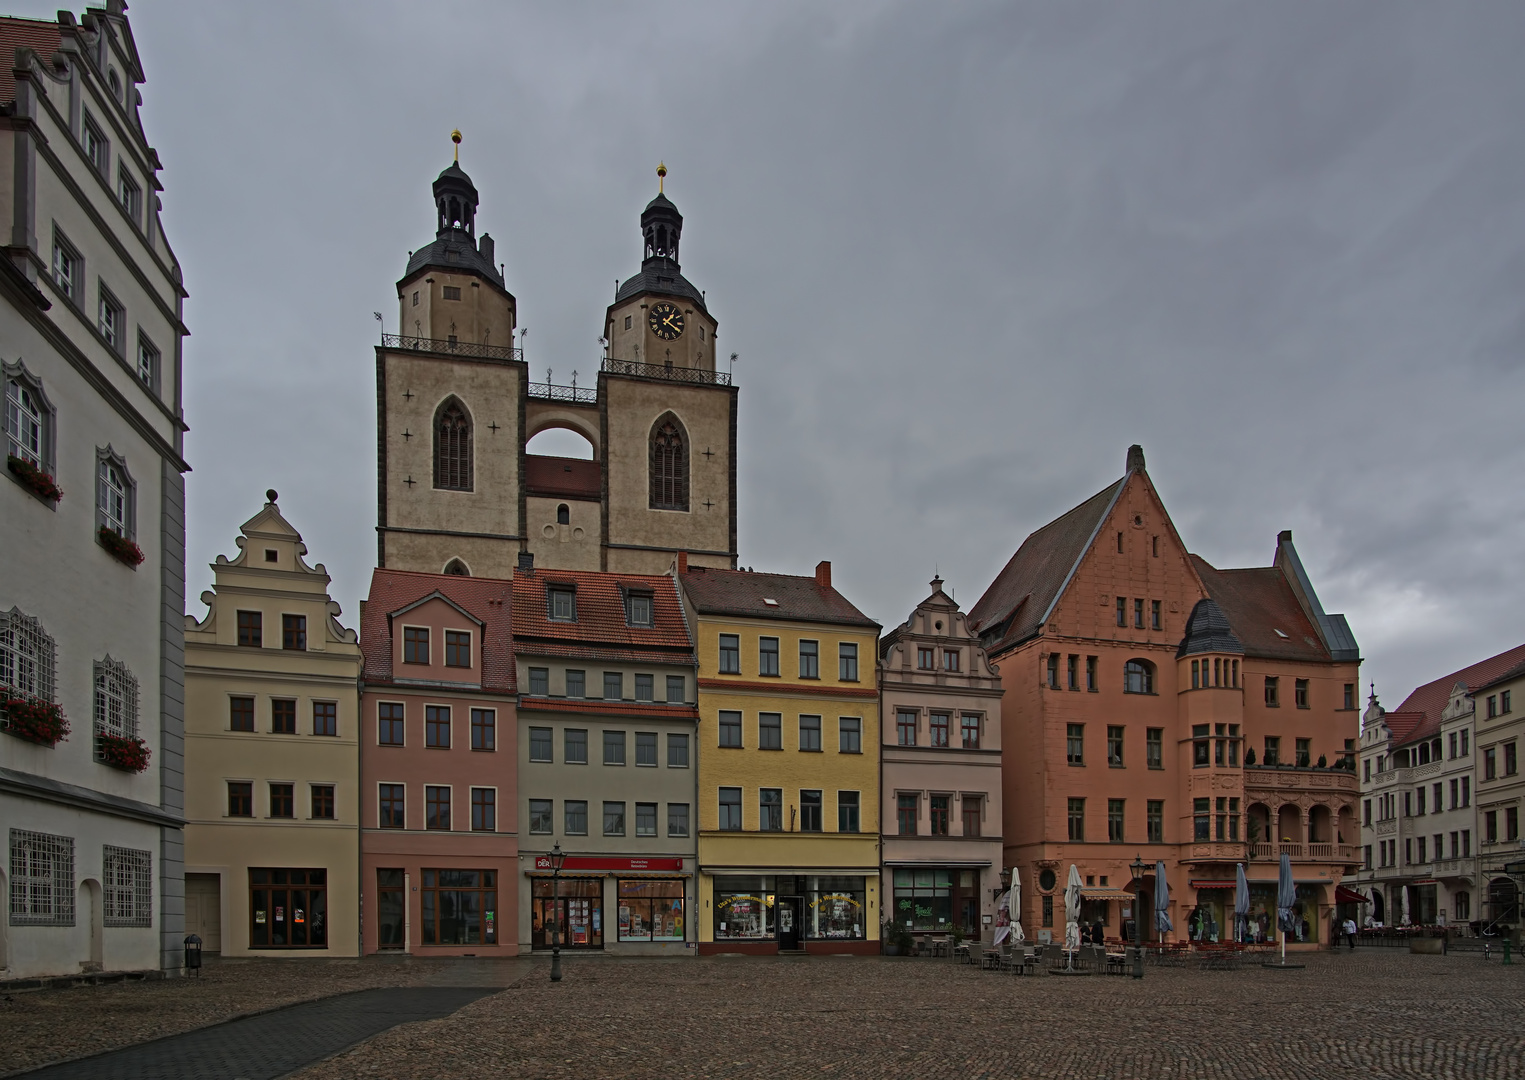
pixel 203 910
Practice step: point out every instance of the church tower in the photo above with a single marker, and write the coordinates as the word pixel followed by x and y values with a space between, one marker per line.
pixel 457 490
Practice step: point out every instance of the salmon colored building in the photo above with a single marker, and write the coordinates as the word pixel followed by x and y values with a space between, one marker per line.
pixel 438 811
pixel 1157 707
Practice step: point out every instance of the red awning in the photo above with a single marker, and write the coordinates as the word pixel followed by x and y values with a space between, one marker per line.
pixel 1342 895
pixel 1212 883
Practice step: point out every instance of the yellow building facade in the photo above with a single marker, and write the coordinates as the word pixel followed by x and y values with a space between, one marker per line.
pixel 788 759
pixel 272 755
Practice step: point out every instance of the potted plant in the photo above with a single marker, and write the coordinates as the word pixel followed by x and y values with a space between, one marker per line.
pixel 126 752
pixel 42 484
pixel 32 719
pixel 124 549
pixel 897 939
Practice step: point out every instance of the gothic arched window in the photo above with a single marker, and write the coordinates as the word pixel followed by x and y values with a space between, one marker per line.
pixel 452 447
pixel 456 568
pixel 669 465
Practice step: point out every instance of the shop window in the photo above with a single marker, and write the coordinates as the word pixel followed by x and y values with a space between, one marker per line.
pixel 459 907
pixel 651 910
pixel 744 908
pixel 581 913
pixel 288 909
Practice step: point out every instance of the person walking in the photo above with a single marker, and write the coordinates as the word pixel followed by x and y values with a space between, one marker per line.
pixel 1350 933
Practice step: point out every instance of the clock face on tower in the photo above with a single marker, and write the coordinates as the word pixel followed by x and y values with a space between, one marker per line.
pixel 666 321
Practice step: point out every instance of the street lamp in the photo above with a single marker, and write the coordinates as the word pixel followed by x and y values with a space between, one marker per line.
pixel 1138 916
pixel 558 859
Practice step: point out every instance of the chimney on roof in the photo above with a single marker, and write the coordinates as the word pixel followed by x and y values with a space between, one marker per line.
pixel 527 561
pixel 487 249
pixel 1135 458
pixel 823 574
pixel 682 562
pixel 1284 537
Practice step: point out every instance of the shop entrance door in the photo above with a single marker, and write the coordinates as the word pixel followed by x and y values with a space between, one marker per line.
pixel 789 923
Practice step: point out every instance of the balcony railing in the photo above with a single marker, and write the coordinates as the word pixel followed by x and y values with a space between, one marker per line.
pixel 450 347
pixel 577 395
pixel 673 372
pixel 1321 852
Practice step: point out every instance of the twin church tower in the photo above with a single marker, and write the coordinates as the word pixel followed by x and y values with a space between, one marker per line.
pixel 458 493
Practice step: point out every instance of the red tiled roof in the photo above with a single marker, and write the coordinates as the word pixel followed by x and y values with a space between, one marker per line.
pixel 485 599
pixel 572 478
pixel 1513 673
pixel 42 37
pixel 743 592
pixel 1402 724
pixel 601 623
pixel 1429 699
pixel 1025 588
pixel 656 711
pixel 1258 602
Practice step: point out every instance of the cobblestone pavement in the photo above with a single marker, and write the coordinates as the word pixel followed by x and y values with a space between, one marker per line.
pixel 271 1044
pixel 1369 1014
pixel 55 1025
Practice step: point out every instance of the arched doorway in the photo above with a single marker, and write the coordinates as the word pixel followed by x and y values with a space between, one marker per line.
pixel 1378 906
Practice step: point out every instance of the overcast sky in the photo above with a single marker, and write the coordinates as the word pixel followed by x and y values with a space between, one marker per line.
pixel 967 254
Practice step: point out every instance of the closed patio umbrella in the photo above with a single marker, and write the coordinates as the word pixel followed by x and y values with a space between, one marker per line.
pixel 1015 906
pixel 1162 923
pixel 1241 905
pixel 1286 896
pixel 1072 911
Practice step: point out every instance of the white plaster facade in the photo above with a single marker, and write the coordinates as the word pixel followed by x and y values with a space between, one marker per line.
pixel 77 176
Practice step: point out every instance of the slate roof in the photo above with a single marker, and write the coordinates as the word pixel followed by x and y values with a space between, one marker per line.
pixel 1208 630
pixel 1258 602
pixel 742 593
pixel 600 630
pixel 1016 603
pixel 486 599
pixel 573 478
pixel 42 37
pixel 660 276
pixel 1430 699
pixel 453 251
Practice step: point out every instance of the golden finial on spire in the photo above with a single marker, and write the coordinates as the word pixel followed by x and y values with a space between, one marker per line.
pixel 661 176
pixel 455 137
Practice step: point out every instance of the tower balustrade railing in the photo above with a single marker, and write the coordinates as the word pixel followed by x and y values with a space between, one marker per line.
pixel 450 347
pixel 671 372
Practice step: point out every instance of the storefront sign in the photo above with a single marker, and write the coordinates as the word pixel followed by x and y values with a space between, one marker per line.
pixel 590 862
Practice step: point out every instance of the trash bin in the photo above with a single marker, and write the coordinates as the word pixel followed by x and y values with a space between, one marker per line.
pixel 193 954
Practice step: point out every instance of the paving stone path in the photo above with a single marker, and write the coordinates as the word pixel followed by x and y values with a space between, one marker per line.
pixel 271 1044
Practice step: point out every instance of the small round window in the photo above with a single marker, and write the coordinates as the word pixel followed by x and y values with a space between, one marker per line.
pixel 1047 880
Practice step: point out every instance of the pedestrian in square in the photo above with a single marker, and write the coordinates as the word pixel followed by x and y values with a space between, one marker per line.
pixel 1350 933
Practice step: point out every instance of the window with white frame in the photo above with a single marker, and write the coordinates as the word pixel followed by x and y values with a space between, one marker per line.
pixel 42 879
pixel 28 656
pixel 111 319
pixel 28 418
pixel 128 193
pixel 129 886
pixel 114 495
pixel 148 362
pixel 68 268
pixel 96 147
pixel 116 699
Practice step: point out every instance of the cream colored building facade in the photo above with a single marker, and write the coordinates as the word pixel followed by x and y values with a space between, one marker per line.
pixel 459 493
pixel 272 755
pixel 1500 724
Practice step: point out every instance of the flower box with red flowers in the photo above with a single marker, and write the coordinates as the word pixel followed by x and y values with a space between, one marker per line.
pixel 124 549
pixel 126 752
pixel 42 485
pixel 32 719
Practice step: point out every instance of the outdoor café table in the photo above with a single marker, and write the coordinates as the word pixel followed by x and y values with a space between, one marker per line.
pixel 1117 963
pixel 939 946
pixel 990 959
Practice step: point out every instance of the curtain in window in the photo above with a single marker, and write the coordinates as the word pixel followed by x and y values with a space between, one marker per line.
pixel 452 448
pixel 669 468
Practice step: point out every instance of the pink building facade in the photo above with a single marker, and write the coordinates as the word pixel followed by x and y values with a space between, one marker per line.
pixel 438 837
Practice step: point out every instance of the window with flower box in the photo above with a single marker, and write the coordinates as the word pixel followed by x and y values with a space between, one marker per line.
pixel 42 879
pixel 116 716
pixel 29 425
pixel 28 666
pixel 128 888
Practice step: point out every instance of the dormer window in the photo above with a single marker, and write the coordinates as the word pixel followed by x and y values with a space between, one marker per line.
pixel 562 603
pixel 638 609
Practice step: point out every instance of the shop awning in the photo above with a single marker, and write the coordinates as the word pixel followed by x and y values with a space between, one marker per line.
pixel 1105 894
pixel 935 864
pixel 1212 883
pixel 1342 895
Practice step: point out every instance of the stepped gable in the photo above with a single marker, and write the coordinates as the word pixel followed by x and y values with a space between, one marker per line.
pixel 601 630
pixel 746 593
pixel 484 599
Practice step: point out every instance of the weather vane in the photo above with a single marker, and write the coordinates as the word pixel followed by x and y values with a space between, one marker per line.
pixel 661 176
pixel 455 137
